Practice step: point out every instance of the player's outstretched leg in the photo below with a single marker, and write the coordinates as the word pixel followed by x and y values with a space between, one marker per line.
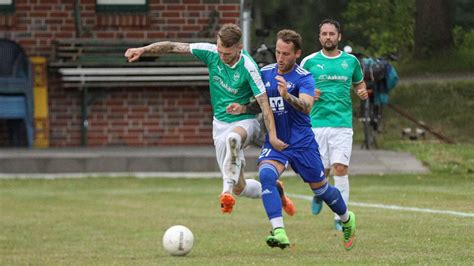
pixel 333 198
pixel 278 238
pixel 288 205
pixel 349 228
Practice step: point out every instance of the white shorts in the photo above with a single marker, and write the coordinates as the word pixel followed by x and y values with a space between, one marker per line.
pixel 220 130
pixel 335 144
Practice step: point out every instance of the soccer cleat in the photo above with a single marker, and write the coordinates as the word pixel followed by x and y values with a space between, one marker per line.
pixel 349 231
pixel 316 205
pixel 227 202
pixel 278 238
pixel 338 225
pixel 286 202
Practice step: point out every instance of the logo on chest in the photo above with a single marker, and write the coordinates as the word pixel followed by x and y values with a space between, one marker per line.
pixel 236 76
pixel 344 64
pixel 276 103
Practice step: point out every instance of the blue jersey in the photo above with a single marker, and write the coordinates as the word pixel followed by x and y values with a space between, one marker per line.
pixel 292 126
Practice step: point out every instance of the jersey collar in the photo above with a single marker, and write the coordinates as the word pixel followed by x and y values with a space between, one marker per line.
pixel 331 57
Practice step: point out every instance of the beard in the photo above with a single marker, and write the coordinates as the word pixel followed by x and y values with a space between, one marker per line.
pixel 283 68
pixel 330 46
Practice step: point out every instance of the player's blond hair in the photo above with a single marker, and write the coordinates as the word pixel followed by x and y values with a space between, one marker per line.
pixel 229 35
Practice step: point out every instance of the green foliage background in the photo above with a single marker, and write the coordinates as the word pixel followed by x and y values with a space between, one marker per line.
pixel 373 27
pixel 378 27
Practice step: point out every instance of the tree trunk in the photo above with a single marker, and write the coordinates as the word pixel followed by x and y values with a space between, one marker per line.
pixel 433 27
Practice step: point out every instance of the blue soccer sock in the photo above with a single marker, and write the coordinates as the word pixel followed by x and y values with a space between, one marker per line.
pixel 332 197
pixel 268 175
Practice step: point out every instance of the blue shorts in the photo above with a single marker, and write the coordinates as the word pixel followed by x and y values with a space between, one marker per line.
pixel 305 162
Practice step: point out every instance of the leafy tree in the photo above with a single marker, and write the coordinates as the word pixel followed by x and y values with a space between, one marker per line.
pixel 378 27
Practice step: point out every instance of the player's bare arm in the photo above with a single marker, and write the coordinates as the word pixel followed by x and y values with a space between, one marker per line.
pixel 361 90
pixel 168 47
pixel 165 47
pixel 270 122
pixel 253 108
pixel 302 103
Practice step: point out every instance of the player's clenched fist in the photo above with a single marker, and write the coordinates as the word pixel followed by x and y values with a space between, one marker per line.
pixel 132 54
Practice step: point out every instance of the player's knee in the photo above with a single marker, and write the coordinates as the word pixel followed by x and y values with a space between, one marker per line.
pixel 340 169
pixel 268 174
pixel 234 138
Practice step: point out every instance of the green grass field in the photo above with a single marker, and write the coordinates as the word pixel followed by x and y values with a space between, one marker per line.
pixel 401 219
pixel 122 221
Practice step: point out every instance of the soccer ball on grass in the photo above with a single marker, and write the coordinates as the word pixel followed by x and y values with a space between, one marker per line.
pixel 178 240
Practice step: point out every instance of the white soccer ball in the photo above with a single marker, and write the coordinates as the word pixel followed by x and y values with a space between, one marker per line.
pixel 178 240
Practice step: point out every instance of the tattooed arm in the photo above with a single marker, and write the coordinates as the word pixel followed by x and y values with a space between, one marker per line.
pixel 270 122
pixel 302 103
pixel 132 54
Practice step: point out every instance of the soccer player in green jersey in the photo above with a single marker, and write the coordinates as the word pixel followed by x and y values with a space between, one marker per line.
pixel 233 77
pixel 334 72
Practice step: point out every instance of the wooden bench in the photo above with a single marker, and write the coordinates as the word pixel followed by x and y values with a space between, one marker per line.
pixel 94 66
pixel 101 64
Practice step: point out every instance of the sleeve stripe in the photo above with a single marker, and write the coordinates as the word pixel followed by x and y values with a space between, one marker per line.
pixel 203 46
pixel 254 73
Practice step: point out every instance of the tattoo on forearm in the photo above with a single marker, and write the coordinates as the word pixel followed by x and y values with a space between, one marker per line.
pixel 298 104
pixel 168 47
pixel 266 115
pixel 253 108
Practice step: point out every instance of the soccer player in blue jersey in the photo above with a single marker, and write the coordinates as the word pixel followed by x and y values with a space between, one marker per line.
pixel 335 73
pixel 290 90
pixel 233 77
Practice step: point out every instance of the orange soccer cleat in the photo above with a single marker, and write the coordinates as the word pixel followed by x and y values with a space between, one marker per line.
pixel 286 202
pixel 227 202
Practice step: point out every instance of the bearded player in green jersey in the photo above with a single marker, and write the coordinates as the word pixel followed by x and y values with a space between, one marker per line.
pixel 334 72
pixel 233 77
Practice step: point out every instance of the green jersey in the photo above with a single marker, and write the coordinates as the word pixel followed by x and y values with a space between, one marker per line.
pixel 334 76
pixel 229 84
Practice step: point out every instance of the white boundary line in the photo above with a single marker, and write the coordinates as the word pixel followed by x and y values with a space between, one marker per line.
pixel 125 174
pixel 392 207
pixel 217 175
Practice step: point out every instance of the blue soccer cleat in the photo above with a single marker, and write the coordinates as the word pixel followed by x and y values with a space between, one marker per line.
pixel 338 225
pixel 316 205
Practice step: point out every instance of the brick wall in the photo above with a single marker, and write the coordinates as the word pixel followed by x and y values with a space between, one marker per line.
pixel 124 116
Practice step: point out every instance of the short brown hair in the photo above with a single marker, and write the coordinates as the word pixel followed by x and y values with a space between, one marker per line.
pixel 291 36
pixel 229 34
pixel 331 21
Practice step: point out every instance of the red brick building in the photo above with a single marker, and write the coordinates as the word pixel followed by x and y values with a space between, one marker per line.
pixel 147 116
